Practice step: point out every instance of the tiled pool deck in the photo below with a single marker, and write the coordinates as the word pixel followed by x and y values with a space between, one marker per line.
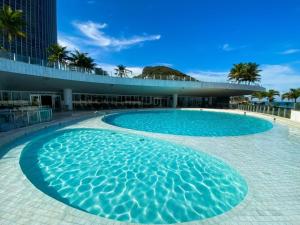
pixel 269 161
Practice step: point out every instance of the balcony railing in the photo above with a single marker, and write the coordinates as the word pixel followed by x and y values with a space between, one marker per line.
pixel 71 68
pixel 11 119
pixel 266 109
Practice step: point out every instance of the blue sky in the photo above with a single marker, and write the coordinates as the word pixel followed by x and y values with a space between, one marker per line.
pixel 200 37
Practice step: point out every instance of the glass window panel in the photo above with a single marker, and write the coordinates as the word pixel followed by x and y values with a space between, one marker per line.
pixel 6 96
pixel 16 96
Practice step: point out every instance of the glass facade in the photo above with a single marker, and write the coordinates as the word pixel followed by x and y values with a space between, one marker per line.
pixel 41 27
pixel 87 101
pixel 101 101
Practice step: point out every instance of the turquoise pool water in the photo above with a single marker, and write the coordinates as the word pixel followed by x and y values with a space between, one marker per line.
pixel 190 122
pixel 131 178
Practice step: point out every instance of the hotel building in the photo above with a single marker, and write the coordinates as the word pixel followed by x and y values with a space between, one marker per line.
pixel 40 29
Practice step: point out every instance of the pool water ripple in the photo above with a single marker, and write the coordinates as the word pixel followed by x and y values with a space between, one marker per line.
pixel 131 178
pixel 189 122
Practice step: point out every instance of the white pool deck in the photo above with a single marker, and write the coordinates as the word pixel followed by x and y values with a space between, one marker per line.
pixel 269 161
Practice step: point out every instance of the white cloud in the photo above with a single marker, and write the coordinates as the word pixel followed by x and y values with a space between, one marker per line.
pixel 228 48
pixel 108 67
pixel 136 70
pixel 280 77
pixel 68 41
pixel 97 37
pixel 290 51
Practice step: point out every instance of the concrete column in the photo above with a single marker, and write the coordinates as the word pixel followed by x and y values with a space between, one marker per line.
pixel 175 100
pixel 68 99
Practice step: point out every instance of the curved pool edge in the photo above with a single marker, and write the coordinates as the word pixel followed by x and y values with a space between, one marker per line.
pixel 53 194
pixel 265 117
pixel 62 214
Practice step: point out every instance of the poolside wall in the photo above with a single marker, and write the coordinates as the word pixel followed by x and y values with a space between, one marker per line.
pixel 295 115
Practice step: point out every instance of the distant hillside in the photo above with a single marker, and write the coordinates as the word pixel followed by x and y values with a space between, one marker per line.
pixel 164 73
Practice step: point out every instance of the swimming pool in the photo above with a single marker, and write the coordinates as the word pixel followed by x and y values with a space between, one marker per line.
pixel 189 122
pixel 131 178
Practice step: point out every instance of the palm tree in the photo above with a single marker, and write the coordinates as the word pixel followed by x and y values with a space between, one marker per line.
pixel 292 94
pixel 236 72
pixel 122 71
pixel 271 95
pixel 251 73
pixel 58 53
pixel 11 23
pixel 82 60
pixel 245 72
pixel 259 95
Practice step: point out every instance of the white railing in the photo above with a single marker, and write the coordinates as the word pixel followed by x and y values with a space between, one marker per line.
pixel 266 109
pixel 71 68
pixel 11 119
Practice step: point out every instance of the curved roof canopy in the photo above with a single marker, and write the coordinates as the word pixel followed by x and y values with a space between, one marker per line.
pixel 22 76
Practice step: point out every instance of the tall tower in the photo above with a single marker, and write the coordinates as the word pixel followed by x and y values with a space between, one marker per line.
pixel 41 27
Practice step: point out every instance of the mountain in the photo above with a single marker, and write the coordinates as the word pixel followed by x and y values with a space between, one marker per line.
pixel 163 73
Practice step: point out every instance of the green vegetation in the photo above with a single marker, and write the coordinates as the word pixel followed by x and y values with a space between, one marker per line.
pixel 259 95
pixel 11 23
pixel 293 94
pixel 58 54
pixel 245 72
pixel 270 95
pixel 164 73
pixel 82 60
pixel 122 71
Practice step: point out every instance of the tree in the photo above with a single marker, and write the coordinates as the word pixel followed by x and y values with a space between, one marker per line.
pixel 251 73
pixel 82 60
pixel 245 72
pixel 237 72
pixel 293 94
pixel 122 71
pixel 271 95
pixel 259 95
pixel 58 53
pixel 100 71
pixel 11 23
